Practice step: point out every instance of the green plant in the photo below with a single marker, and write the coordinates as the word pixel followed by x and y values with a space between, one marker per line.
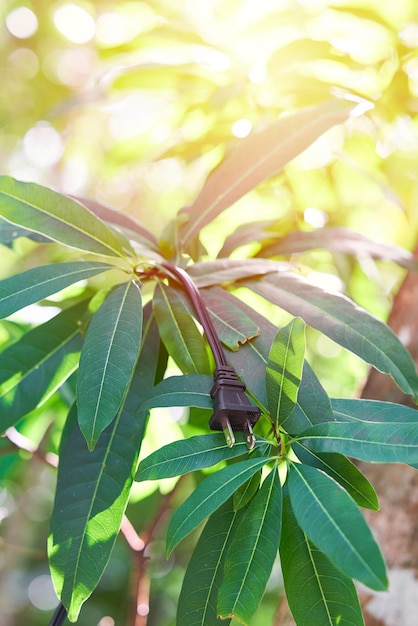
pixel 289 487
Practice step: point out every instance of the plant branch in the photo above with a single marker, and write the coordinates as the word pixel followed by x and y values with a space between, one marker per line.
pixel 138 544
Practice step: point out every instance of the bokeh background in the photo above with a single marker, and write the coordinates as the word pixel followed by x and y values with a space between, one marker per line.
pixel 132 104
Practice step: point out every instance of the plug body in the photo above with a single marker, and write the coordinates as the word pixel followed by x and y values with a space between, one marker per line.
pixel 232 409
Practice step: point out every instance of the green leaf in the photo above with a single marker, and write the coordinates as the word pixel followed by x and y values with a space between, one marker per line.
pixel 9 232
pixel 38 283
pixel 187 390
pixel 35 366
pixel 375 411
pixel 207 497
pixel 92 493
pixel 179 332
pixel 343 471
pixel 253 549
pixel 284 369
pixel 258 157
pixel 344 322
pixel 125 222
pixel 331 520
pixel 108 359
pixel 366 441
pixel 313 404
pixel 328 596
pixel 199 592
pixel 59 218
pixel 189 455
pixel 233 327
pixel 246 492
pixel 93 488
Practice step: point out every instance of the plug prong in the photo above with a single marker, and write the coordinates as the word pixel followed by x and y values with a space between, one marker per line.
pixel 249 435
pixel 228 432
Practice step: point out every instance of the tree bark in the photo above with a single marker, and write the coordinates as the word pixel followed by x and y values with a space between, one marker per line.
pixel 395 526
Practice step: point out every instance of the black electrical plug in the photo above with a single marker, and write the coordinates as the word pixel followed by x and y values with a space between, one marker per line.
pixel 232 408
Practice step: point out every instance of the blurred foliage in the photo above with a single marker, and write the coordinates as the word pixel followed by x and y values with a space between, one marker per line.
pixel 132 104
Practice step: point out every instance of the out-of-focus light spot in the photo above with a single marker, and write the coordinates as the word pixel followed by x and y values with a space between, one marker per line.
pixel 211 59
pixel 22 22
pixel 35 314
pixel 125 22
pixel 75 175
pixel 409 35
pixel 43 145
pixel 72 67
pixel 7 503
pixel 25 62
pixel 76 24
pixel 41 593
pixel 241 128
pixel 111 29
pixel 258 74
pixel 166 174
pixel 322 151
pixel 132 116
pixel 142 609
pixel 330 282
pixel 106 621
pixel 315 217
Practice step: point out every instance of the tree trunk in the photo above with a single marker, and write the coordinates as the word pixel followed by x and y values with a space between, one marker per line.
pixel 395 526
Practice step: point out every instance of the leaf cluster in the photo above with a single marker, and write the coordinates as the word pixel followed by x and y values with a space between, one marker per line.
pixel 296 492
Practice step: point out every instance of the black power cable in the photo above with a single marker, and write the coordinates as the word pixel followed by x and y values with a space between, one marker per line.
pixel 232 408
pixel 59 616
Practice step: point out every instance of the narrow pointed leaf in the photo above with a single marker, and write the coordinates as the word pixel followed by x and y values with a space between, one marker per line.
pixel 187 390
pixel 108 359
pixel 366 441
pixel 38 283
pixel 126 222
pixel 211 273
pixel 247 233
pixel 258 157
pixel 232 326
pixel 59 218
pixel 35 366
pixel 9 232
pixel 252 553
pixel 284 369
pixel 246 492
pixel 343 471
pixel 329 597
pixel 208 497
pixel 199 593
pixel 93 489
pixel 179 332
pixel 331 520
pixel 92 492
pixel 351 410
pixel 313 405
pixel 189 455
pixel 344 322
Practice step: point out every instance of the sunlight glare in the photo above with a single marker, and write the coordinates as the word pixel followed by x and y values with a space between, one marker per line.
pixel 76 24
pixel 241 128
pixel 22 22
